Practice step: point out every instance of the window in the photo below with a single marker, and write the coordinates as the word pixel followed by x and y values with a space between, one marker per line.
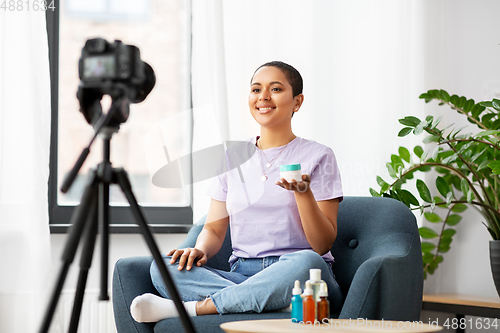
pixel 161 30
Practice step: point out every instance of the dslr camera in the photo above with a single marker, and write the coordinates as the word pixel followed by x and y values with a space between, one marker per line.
pixel 113 69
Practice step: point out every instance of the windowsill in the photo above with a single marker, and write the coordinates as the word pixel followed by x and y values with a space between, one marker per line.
pixel 131 228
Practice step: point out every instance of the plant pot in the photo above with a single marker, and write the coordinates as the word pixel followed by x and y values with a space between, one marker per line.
pixel 495 262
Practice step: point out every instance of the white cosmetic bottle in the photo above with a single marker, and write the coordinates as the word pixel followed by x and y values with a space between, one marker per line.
pixel 315 281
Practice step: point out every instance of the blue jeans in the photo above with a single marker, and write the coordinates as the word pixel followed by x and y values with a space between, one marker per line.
pixel 252 285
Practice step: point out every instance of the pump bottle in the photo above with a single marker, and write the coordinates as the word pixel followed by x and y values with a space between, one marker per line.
pixel 296 303
pixel 315 281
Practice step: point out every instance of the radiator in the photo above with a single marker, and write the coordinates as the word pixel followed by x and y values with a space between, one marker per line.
pixel 96 316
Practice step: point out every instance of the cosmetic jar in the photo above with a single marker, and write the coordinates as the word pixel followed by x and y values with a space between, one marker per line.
pixel 291 171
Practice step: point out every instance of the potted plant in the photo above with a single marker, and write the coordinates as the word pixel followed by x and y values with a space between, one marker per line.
pixel 467 169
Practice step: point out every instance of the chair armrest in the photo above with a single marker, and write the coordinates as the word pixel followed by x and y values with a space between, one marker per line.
pixel 131 278
pixel 388 285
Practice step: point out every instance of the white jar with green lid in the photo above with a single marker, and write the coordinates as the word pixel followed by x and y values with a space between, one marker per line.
pixel 291 171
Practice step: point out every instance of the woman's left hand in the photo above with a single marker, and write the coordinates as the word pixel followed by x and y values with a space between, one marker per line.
pixel 295 186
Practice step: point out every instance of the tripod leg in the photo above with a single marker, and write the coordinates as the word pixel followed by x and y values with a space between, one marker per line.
pixel 104 227
pixel 85 263
pixel 123 181
pixel 77 225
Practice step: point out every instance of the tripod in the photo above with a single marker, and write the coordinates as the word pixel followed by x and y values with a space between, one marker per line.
pixel 93 214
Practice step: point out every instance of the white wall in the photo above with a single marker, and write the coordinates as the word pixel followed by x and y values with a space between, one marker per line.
pixel 463 57
pixel 361 62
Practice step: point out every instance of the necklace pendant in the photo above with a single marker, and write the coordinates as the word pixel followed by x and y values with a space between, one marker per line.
pixel 264 178
pixel 268 165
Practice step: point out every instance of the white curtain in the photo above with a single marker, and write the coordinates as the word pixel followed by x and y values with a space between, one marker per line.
pixel 24 168
pixel 209 88
pixel 362 62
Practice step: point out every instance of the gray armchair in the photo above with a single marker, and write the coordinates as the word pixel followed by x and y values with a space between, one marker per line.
pixel 378 265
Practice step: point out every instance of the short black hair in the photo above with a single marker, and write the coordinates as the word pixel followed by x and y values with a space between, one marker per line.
pixel 293 76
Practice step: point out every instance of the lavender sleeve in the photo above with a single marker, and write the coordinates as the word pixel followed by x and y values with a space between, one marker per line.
pixel 326 183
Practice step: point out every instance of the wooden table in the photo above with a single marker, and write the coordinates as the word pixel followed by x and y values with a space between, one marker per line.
pixel 337 325
pixel 462 305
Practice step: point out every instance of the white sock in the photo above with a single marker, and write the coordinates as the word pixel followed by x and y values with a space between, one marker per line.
pixel 149 308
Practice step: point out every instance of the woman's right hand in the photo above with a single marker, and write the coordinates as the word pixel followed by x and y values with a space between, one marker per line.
pixel 187 257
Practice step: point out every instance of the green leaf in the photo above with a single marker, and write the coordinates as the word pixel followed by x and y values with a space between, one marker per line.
pixel 384 186
pixel 443 248
pixel 461 101
pixel 453 219
pixel 487 104
pixel 487 117
pixel 432 267
pixel 486 133
pixel 448 233
pixel 449 198
pixel 404 153
pixel 425 168
pixel 395 159
pixel 458 208
pixel 435 153
pixel 418 151
pixel 477 110
pixel 495 167
pixel 480 155
pixel 405 131
pixel 431 138
pixel 450 159
pixel 427 258
pixel 464 186
pixel 432 217
pixel 391 171
pixel 427 247
pixel 410 197
pixel 409 121
pixel 496 104
pixel 442 186
pixel 469 105
pixel 427 233
pixel 442 170
pixel 470 196
pixel 445 240
pixel 374 193
pixel 483 165
pixel 419 129
pixel 423 190
pixel 401 197
pixel 380 181
pixel 444 95
pixel 438 199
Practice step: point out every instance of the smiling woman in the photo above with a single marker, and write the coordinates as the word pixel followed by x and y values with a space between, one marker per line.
pixel 299 217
